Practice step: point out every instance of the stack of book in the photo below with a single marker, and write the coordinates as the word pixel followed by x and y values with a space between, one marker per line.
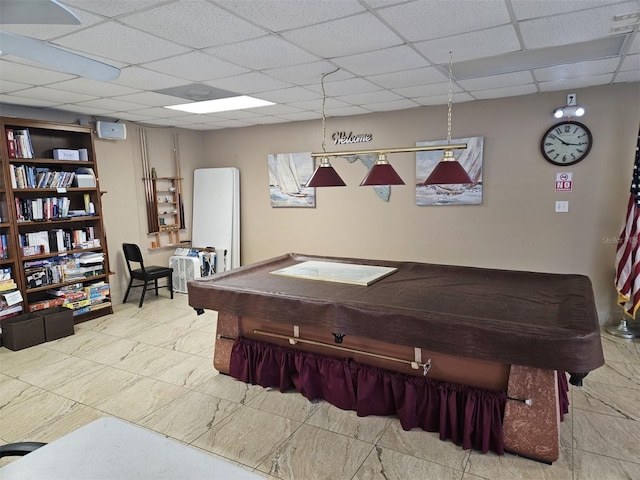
pixel 10 297
pixel 19 143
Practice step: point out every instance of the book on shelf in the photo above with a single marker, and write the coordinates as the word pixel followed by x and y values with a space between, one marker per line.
pixel 9 312
pixel 6 273
pixel 22 142
pixel 11 143
pixel 4 250
pixel 6 285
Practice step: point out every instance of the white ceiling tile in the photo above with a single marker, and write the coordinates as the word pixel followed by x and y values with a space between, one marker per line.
pixel 572 27
pixel 468 46
pixel 301 116
pixel 49 32
pixel 631 62
pixel 635 44
pixel 393 105
pixel 316 105
pixel 422 20
pixel 344 87
pixel 151 99
pixel 265 120
pixel 290 14
pixel 110 8
pixel 288 95
pixel 594 67
pixel 505 91
pixel 363 33
pixel 195 66
pixel 25 101
pixel 497 81
pixel 46 93
pixel 166 122
pixel 203 127
pixel 370 97
pixel 17 72
pixel 442 100
pixel 195 23
pixel 526 9
pixel 131 116
pixel 580 82
pixel 249 83
pixel 138 77
pixel 628 77
pixel 262 53
pixel 92 87
pixel 73 107
pixel 408 78
pixel 429 90
pixel 346 36
pixel 121 43
pixel 272 110
pixel 6 86
pixel 231 124
pixel 160 112
pixel 387 60
pixel 307 73
pixel 345 111
pixel 111 104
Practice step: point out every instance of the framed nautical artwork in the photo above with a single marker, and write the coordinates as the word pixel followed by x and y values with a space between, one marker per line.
pixel 452 194
pixel 288 177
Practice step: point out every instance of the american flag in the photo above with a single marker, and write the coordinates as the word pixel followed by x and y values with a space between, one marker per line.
pixel 628 253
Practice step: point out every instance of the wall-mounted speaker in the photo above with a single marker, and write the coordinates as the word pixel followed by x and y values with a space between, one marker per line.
pixel 111 131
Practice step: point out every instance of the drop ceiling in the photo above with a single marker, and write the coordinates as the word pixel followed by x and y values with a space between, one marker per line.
pixel 391 55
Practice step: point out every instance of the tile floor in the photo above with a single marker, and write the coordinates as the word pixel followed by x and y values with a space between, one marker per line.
pixel 153 367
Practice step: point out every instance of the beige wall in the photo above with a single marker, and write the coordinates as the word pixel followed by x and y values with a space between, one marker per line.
pixel 514 228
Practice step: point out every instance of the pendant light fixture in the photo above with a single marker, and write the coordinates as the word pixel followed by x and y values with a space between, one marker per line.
pixel 448 170
pixel 325 175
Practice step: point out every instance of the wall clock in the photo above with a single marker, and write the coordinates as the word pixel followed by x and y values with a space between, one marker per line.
pixel 566 143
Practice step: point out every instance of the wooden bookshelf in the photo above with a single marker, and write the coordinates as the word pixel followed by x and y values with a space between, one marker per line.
pixel 35 206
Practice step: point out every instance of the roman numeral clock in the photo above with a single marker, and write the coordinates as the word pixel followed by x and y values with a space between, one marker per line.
pixel 566 143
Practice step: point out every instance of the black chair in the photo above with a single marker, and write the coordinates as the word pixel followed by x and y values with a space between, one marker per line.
pixel 19 449
pixel 145 274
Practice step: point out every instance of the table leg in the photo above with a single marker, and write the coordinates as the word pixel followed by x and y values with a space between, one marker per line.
pixel 226 332
pixel 532 431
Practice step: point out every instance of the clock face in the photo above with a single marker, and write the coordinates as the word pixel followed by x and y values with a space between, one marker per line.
pixel 566 143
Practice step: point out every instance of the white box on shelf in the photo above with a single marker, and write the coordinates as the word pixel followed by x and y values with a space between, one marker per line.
pixel 82 180
pixel 65 154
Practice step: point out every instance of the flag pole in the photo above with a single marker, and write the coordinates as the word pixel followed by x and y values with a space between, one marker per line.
pixel 624 330
pixel 628 261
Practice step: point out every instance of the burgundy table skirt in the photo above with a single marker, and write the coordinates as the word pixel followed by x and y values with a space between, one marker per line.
pixel 467 416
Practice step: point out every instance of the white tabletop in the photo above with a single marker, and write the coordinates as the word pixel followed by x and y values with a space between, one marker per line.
pixel 112 449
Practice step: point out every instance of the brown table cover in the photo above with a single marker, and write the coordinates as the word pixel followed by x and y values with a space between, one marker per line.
pixel 533 319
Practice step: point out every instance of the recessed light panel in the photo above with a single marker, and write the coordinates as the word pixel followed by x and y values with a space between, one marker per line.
pixel 221 105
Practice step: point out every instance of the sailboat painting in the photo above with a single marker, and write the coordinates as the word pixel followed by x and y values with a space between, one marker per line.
pixel 288 175
pixel 450 194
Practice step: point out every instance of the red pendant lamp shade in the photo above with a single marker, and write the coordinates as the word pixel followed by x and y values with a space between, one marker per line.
pixel 448 171
pixel 325 176
pixel 382 173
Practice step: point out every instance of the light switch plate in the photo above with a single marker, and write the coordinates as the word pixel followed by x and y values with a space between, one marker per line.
pixel 562 206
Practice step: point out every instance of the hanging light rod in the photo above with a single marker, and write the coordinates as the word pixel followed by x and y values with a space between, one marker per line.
pixel 425 148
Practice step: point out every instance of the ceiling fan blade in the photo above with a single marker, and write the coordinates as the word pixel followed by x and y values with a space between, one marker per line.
pixel 56 58
pixel 36 12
